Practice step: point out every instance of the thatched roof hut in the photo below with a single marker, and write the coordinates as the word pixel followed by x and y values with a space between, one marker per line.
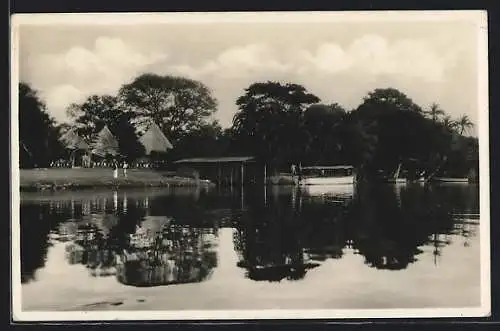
pixel 105 143
pixel 154 140
pixel 72 140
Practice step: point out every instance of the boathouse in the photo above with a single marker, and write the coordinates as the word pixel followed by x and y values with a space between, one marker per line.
pixel 225 170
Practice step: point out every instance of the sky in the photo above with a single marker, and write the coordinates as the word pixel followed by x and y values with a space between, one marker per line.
pixel 337 60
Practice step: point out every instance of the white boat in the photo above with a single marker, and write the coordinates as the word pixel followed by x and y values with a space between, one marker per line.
pixel 396 180
pixel 333 190
pixel 450 180
pixel 421 180
pixel 327 175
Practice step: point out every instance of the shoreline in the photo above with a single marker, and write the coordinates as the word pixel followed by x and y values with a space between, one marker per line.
pixel 79 179
pixel 54 187
pixel 67 179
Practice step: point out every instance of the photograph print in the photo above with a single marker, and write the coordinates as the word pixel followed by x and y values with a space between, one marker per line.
pixel 201 166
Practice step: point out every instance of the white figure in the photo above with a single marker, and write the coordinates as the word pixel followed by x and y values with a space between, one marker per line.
pixel 115 171
pixel 125 167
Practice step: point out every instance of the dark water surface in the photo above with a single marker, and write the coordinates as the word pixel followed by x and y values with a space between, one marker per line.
pixel 384 246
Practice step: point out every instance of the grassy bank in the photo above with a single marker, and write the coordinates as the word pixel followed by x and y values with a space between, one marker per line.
pixel 67 179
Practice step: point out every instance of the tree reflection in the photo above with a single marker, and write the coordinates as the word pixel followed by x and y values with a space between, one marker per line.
pixel 111 236
pixel 167 254
pixel 293 231
pixel 35 228
pixel 279 233
pixel 38 223
pixel 270 240
pixel 390 226
pixel 90 246
pixel 156 252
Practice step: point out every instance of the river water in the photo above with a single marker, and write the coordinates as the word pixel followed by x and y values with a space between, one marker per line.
pixel 380 246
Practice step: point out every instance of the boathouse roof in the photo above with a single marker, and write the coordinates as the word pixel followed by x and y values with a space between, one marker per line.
pixel 229 159
pixel 330 167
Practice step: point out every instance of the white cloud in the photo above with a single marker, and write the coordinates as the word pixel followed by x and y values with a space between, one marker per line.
pixel 70 76
pixel 369 56
pixel 333 71
pixel 336 71
pixel 372 55
pixel 59 97
pixel 238 62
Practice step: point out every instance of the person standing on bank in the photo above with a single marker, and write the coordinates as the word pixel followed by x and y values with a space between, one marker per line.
pixel 125 167
pixel 115 171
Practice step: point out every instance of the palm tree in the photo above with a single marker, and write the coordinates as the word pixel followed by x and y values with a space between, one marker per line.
pixel 435 112
pixel 464 123
pixel 449 124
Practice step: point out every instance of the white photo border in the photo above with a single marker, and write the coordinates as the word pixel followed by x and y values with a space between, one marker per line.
pixel 477 17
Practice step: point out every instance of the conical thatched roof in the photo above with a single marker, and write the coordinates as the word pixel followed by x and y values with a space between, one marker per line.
pixel 105 144
pixel 154 140
pixel 72 140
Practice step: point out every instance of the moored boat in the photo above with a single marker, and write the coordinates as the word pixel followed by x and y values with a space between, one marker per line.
pixel 335 192
pixel 396 180
pixel 451 180
pixel 327 175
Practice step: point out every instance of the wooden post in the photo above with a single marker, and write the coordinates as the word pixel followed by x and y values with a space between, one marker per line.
pixel 265 195
pixel 242 198
pixel 265 174
pixel 242 173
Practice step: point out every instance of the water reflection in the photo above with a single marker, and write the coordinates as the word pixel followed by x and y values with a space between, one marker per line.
pixel 158 238
pixel 162 253
pixel 154 251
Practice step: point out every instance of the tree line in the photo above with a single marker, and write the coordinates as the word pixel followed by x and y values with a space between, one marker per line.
pixel 278 123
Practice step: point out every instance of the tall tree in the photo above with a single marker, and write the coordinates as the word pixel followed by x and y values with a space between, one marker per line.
pixel 209 140
pixel 176 104
pixel 98 111
pixel 38 134
pixel 387 99
pixel 94 113
pixel 464 124
pixel 435 112
pixel 449 125
pixel 321 126
pixel 126 133
pixel 269 119
pixel 358 142
pixel 402 132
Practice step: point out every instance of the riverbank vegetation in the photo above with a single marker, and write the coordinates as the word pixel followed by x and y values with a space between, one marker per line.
pixel 278 123
pixel 87 178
